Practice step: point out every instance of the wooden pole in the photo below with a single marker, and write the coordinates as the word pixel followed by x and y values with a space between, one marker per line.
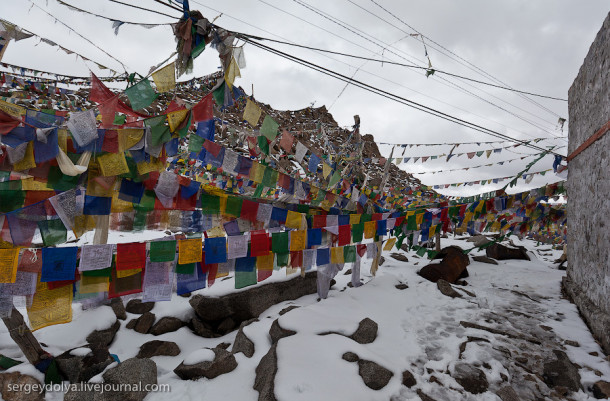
pixel 23 337
pixel 437 239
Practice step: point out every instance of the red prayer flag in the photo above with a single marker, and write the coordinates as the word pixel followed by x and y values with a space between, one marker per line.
pixel 131 256
pixel 319 221
pixel 345 235
pixel 7 123
pixel 249 210
pixel 212 147
pixel 259 244
pixel 204 110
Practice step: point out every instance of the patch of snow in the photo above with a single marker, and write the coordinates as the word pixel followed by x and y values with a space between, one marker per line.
pixel 199 356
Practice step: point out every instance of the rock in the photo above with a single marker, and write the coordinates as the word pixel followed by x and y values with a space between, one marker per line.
pixel 185 295
pixel 265 375
pixel 350 357
pixel 134 372
pixel 118 308
pixel 131 324
pixel 601 390
pixel 471 378
pixel 479 240
pixel 572 343
pixel 561 372
pixel 408 379
pixel 103 338
pixel 249 304
pixel 401 286
pixel 276 332
pixel 226 326
pixel 399 256
pixel 18 379
pixel 144 322
pixel 158 348
pixel 242 343
pixel 138 307
pixel 501 252
pixel 366 332
pixel 404 247
pixel 166 324
pixel 202 328
pixel 374 375
pixel 347 272
pixel 381 260
pixel 507 393
pixel 446 289
pixel 288 309
pixel 75 395
pixel 452 266
pixel 224 362
pixel 423 396
pixel 484 259
pixel 78 368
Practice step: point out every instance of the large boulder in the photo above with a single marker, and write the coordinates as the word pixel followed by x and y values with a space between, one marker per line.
pixel 471 378
pixel 452 266
pixel 103 338
pixel 138 307
pixel 264 382
pixel 131 373
pixel 561 372
pixel 201 328
pixel 158 348
pixel 501 252
pixel 18 379
pixel 366 332
pixel 82 363
pixel 249 304
pixel 224 362
pixel 166 324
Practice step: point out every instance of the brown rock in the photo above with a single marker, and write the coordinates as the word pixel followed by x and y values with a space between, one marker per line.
pixel 446 289
pixel 138 307
pixel 103 338
pixel 452 266
pixel 166 324
pixel 276 332
pixel 158 348
pixel 601 389
pixel 144 322
pixel 224 362
pixel 408 379
pixel 17 379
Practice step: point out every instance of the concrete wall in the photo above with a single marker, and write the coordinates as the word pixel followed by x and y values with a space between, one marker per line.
pixel 588 279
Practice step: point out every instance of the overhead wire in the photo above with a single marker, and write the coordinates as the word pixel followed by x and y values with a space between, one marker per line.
pixel 111 19
pixel 367 38
pixel 481 71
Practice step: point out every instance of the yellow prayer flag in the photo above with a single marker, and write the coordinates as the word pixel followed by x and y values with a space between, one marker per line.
pixel 336 255
pixel 62 139
pixel 298 240
pixel 28 161
pixel 12 109
pixel 293 219
pixel 231 73
pixel 50 307
pixel 165 78
pixel 113 164
pixel 189 251
pixel 216 232
pixel 256 172
pixel 252 113
pixel 326 170
pixel 389 244
pixel 119 205
pixel 369 229
pixel 8 265
pixel 175 118
pixel 148 166
pixel 82 224
pixel 432 230
pixel 129 137
pixel 265 262
pixel 419 218
pixel 91 285
pixel 127 273
pixel 354 219
pixel 30 184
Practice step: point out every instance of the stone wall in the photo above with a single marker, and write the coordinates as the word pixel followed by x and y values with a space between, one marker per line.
pixel 588 280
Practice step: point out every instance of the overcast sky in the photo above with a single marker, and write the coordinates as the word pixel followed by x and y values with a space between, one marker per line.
pixel 535 46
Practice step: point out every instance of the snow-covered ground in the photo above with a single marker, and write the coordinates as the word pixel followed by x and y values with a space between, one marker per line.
pixel 419 331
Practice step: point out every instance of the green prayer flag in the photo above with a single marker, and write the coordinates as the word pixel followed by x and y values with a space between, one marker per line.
pixel 357 232
pixel 282 259
pixel 263 144
pixel 365 217
pixel 412 222
pixel 197 50
pixel 155 121
pixel 11 200
pixel 279 242
pixel 162 251
pixel 270 178
pixel 187 268
pixel 219 95
pixel 195 143
pixel 147 202
pixel 119 119
pixel 233 206
pixel 421 251
pixel 183 132
pixel 334 179
pixel 210 204
pixel 349 253
pixel 245 278
pixel 53 232
pixel 141 95
pixel 7 363
pixel 60 182
pixel 160 134
pixel 52 376
pixel 259 191
pixel 139 220
pixel 269 128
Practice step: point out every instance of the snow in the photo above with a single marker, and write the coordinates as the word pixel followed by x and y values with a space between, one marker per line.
pixel 419 331
pixel 199 356
pixel 82 351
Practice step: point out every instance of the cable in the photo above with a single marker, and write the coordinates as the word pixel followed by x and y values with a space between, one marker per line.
pixel 108 18
pixel 409 66
pixel 466 61
pixel 72 30
pixel 394 97
pixel 145 9
pixel 362 35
